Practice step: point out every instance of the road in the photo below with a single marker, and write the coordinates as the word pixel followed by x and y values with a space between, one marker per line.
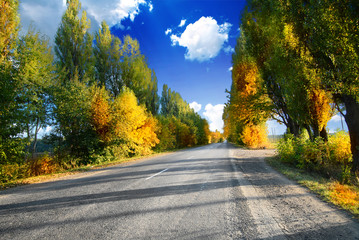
pixel 211 192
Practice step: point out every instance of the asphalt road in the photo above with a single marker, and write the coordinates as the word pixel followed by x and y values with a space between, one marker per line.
pixel 211 192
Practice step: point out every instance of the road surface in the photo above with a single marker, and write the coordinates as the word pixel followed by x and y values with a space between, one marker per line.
pixel 211 192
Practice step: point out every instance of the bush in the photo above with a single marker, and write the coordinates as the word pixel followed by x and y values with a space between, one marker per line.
pixel 331 158
pixel 43 165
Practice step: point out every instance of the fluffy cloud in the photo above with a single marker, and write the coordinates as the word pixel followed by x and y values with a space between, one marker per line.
pixel 203 39
pixel 113 12
pixel 46 15
pixel 214 116
pixel 182 23
pixel 195 106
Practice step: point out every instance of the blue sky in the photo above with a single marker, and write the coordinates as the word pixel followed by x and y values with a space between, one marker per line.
pixel 188 43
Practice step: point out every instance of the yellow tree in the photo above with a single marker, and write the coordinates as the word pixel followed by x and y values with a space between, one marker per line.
pixel 247 98
pixel 132 125
pixel 101 114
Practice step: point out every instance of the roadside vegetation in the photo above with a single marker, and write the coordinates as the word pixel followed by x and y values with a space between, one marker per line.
pixel 297 62
pixel 96 96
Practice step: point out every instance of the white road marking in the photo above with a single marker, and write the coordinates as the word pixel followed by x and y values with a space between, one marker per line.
pixel 190 157
pixel 154 175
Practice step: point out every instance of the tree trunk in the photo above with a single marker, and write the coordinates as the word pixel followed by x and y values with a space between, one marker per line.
pixel 352 120
pixel 324 134
pixel 293 127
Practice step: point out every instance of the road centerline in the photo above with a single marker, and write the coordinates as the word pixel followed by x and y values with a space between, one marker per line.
pixel 154 175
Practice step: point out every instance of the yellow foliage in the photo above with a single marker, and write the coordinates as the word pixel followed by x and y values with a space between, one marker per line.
pixel 339 146
pixel 43 165
pixel 133 124
pixel 289 36
pixel 319 108
pixel 254 136
pixel 101 114
pixel 245 75
pixel 344 195
pixel 215 137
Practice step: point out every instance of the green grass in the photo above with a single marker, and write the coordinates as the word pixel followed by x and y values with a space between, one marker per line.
pixel 327 189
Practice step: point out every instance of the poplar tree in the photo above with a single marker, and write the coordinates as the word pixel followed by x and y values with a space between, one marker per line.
pixel 73 44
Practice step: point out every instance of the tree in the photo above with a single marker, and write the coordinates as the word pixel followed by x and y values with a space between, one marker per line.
pixel 11 147
pixel 72 113
pixel 107 54
pixel 73 44
pixel 329 30
pixel 132 125
pixel 36 75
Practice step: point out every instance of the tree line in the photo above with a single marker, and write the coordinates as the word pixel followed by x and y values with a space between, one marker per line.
pixel 296 62
pixel 96 91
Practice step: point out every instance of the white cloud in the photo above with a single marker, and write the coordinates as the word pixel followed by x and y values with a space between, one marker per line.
pixel 214 116
pixel 113 12
pixel 228 50
pixel 150 5
pixel 46 15
pixel 203 39
pixel 336 118
pixel 182 23
pixel 168 31
pixel 195 106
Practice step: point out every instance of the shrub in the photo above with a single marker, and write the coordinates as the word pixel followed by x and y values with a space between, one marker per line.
pixel 330 158
pixel 43 165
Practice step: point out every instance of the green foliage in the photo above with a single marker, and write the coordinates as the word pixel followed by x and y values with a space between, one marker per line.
pixel 72 112
pixel 73 44
pixel 327 158
pixel 35 74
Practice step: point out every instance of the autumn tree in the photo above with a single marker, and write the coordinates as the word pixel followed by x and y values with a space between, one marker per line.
pixel 132 125
pixel 329 29
pixel 247 101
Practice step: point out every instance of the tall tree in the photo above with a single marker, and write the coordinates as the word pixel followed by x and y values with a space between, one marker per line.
pixel 329 30
pixel 108 53
pixel 36 74
pixel 10 111
pixel 73 44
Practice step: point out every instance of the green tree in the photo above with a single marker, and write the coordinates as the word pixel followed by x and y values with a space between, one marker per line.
pixel 108 54
pixel 10 111
pixel 329 30
pixel 73 44
pixel 36 75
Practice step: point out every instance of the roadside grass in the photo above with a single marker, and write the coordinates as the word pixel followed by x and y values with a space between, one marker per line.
pixel 343 195
pixel 76 170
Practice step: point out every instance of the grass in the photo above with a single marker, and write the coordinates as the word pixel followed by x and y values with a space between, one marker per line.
pixel 342 195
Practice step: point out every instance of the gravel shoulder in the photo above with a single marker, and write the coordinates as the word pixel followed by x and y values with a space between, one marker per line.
pixel 281 209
